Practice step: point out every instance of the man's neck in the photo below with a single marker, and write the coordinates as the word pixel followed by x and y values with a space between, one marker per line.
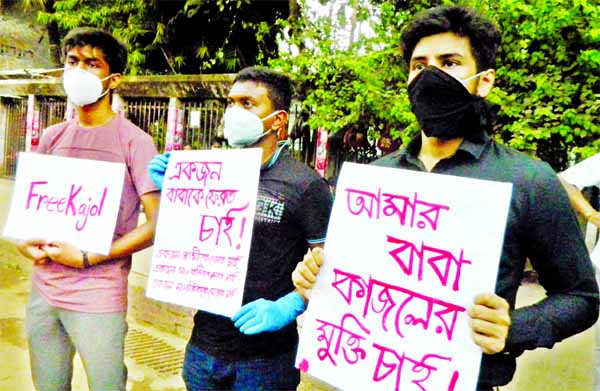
pixel 268 144
pixel 434 149
pixel 96 114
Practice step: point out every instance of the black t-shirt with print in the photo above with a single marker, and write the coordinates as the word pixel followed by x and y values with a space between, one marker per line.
pixel 292 210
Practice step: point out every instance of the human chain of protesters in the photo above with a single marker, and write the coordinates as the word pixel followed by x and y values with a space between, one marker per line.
pixel 410 332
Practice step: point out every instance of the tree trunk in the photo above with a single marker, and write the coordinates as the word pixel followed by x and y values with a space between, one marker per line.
pixel 295 19
pixel 53 36
pixel 355 9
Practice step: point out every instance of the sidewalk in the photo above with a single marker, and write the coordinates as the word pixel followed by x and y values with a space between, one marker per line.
pixel 153 358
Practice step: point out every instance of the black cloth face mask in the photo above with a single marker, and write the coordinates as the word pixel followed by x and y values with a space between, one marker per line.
pixel 444 107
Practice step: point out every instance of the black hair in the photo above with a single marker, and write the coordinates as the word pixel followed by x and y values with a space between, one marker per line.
pixel 278 85
pixel 115 52
pixel 483 35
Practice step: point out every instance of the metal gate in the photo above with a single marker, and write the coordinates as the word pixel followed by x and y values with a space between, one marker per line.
pixel 15 112
pixel 203 124
pixel 150 114
pixel 52 110
pixel 207 126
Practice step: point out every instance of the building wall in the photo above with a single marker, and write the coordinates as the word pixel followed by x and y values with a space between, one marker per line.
pixel 23 44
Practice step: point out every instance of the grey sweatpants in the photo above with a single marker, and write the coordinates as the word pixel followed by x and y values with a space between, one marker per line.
pixel 54 334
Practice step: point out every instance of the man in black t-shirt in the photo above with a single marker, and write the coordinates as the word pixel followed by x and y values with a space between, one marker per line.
pixel 255 349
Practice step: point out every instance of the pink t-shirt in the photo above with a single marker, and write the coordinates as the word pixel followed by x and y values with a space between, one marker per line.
pixel 103 287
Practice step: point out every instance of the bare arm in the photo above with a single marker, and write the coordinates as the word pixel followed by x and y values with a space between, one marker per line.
pixel 580 203
pixel 135 240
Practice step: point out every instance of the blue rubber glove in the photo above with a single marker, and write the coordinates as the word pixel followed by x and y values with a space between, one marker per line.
pixel 265 315
pixel 157 169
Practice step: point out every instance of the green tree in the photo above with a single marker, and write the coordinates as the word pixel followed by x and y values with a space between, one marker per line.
pixel 549 77
pixel 177 36
pixel 348 82
pixel 547 74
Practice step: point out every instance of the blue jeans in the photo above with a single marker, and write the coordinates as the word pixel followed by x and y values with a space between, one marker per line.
pixel 54 334
pixel 201 372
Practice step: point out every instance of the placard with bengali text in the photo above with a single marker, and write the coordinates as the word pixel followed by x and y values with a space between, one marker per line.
pixel 204 229
pixel 405 255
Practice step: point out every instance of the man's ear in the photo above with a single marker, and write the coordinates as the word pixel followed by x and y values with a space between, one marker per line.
pixel 486 82
pixel 114 80
pixel 280 125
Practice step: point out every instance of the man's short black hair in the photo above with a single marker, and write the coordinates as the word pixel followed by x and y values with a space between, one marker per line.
pixel 115 52
pixel 483 35
pixel 278 85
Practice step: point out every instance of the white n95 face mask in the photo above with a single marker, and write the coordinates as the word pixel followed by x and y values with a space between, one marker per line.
pixel 82 87
pixel 243 127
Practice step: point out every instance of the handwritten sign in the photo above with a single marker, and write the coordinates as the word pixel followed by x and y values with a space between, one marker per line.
pixel 204 229
pixel 406 253
pixel 66 199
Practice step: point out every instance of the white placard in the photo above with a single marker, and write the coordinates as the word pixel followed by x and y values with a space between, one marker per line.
pixel 204 229
pixel 66 199
pixel 406 252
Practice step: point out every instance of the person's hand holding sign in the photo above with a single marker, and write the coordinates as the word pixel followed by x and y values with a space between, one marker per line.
pixel 305 274
pixel 263 315
pixel 157 169
pixel 65 254
pixel 490 322
pixel 33 249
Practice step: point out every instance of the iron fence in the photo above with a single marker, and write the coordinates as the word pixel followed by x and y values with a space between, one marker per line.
pixel 150 114
pixel 203 122
pixel 52 110
pixel 14 111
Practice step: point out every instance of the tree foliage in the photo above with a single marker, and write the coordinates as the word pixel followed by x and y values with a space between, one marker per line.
pixel 547 74
pixel 350 83
pixel 177 36
pixel 548 71
pixel 549 77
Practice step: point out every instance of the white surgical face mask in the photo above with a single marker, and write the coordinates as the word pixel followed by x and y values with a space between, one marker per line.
pixel 82 87
pixel 243 127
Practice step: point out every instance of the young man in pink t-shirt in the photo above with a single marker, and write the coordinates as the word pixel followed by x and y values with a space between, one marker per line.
pixel 78 299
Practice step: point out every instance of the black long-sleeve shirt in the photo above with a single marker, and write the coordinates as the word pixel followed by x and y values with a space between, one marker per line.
pixel 541 227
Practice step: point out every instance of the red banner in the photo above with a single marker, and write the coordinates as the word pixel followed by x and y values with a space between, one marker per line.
pixel 321 153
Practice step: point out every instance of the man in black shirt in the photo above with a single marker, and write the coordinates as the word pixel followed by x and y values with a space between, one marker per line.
pixel 451 53
pixel 255 349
